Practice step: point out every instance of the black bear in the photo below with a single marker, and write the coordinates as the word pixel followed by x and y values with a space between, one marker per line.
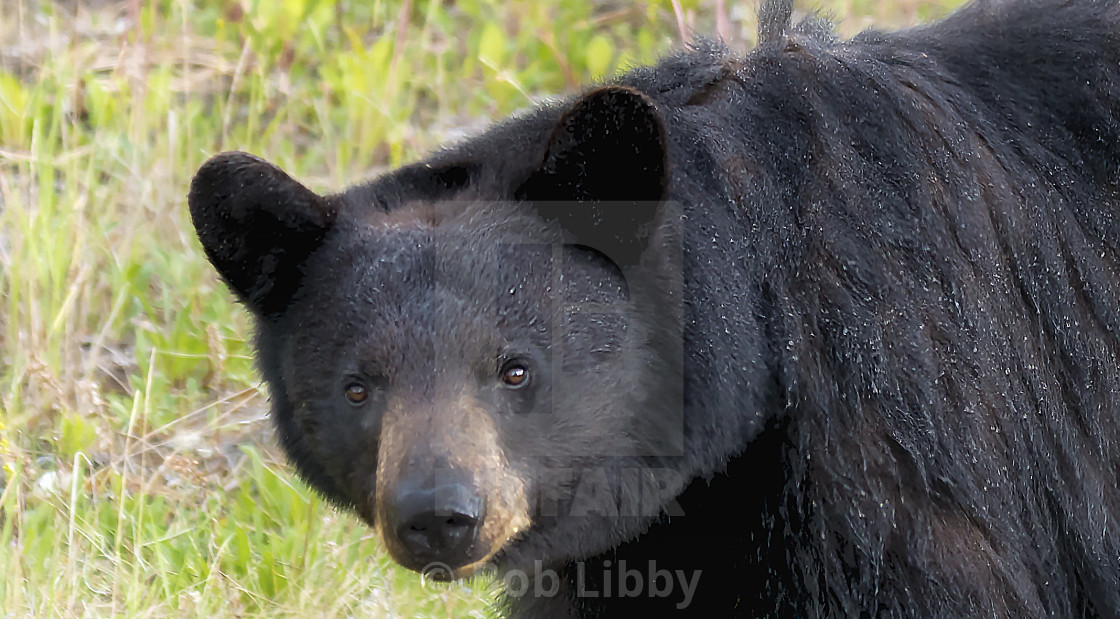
pixel 828 329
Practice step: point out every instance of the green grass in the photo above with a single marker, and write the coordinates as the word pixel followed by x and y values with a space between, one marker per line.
pixel 139 475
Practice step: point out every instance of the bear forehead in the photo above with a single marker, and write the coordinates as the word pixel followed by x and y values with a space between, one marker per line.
pixel 413 215
pixel 445 255
pixel 413 276
pixel 381 272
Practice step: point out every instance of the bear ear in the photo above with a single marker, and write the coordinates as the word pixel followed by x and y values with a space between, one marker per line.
pixel 604 173
pixel 257 226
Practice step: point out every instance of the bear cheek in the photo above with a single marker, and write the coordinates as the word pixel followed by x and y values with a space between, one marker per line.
pixel 346 452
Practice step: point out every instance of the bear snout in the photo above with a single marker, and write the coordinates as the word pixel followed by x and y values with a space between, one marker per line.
pixel 446 493
pixel 437 523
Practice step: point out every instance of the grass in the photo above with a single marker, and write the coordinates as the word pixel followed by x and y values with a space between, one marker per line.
pixel 139 474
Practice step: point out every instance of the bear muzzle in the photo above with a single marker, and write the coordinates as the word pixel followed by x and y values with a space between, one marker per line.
pixel 447 499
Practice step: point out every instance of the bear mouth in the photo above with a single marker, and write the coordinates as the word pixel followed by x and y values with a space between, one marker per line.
pixel 441 572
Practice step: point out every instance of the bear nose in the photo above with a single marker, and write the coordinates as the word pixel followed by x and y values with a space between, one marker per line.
pixel 438 523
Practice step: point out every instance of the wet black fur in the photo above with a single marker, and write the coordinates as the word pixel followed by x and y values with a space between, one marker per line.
pixel 901 264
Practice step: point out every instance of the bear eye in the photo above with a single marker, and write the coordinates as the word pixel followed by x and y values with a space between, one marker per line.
pixel 515 375
pixel 356 393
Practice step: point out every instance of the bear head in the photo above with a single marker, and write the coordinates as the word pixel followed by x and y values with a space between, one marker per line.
pixel 480 355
